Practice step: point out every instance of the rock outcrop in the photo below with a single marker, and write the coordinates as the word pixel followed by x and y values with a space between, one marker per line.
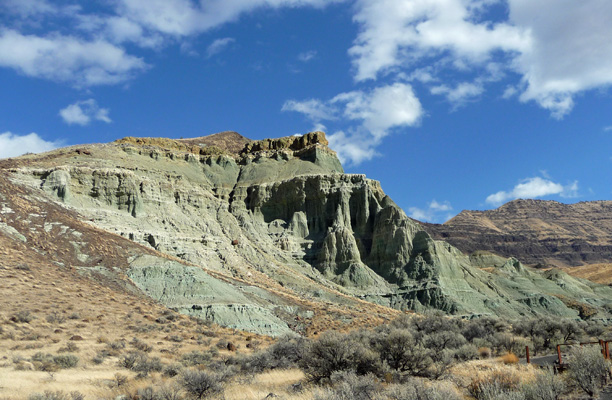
pixel 281 213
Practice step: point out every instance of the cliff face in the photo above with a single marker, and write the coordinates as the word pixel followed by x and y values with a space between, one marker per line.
pixel 279 214
pixel 541 232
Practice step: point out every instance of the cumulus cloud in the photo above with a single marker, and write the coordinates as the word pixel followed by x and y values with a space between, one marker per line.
pixel 532 188
pixel 396 32
pixel 67 59
pixel 435 212
pixel 373 114
pixel 83 112
pixel 570 49
pixel 218 46
pixel 12 145
pixel 558 47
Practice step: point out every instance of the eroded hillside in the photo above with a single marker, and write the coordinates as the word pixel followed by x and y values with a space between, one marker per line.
pixel 538 232
pixel 275 237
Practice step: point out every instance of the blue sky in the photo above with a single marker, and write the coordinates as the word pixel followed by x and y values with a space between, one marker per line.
pixel 451 104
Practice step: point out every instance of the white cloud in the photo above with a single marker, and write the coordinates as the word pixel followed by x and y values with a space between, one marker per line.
pixel 559 47
pixel 218 46
pixel 461 93
pixel 434 212
pixel 314 109
pixel 28 8
pixel 67 59
pixel 354 148
pixel 396 32
pixel 383 108
pixel 83 112
pixel 532 188
pixel 101 60
pixel 373 114
pixel 608 128
pixel 307 55
pixel 12 145
pixel 570 50
pixel 184 17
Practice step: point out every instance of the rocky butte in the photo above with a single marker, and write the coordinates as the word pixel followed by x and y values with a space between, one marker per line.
pixel 269 236
pixel 543 233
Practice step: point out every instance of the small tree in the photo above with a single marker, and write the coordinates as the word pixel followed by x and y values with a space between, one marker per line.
pixel 588 369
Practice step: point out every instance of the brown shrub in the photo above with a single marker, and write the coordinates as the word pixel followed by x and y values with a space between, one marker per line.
pixel 484 352
pixel 509 358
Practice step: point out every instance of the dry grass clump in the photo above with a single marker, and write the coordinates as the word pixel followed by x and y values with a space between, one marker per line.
pixel 509 358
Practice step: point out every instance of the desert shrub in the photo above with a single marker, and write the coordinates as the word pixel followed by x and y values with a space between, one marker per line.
pixel 594 329
pixel 120 380
pixel 543 332
pixel 439 341
pixel 400 350
pixel 507 343
pixel 68 348
pixel 435 322
pixel 416 390
pixel 283 354
pixel 467 352
pixel 147 393
pixel 173 370
pixel 175 338
pixel 116 345
pixel 167 316
pixel 56 318
pixel 99 357
pixel 482 328
pixel 170 392
pixel 165 392
pixel 143 328
pixel 221 344
pixel 588 369
pixel 49 362
pixel 442 362
pixel 75 315
pixel 23 316
pixel 141 363
pixel 349 386
pixel 200 384
pixel 65 361
pixel 49 395
pixel 498 385
pixel 196 358
pixel 57 395
pixel 141 346
pixel 546 386
pixel 287 351
pixel 333 352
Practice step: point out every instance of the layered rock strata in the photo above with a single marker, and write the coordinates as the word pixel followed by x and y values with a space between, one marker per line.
pixel 283 210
